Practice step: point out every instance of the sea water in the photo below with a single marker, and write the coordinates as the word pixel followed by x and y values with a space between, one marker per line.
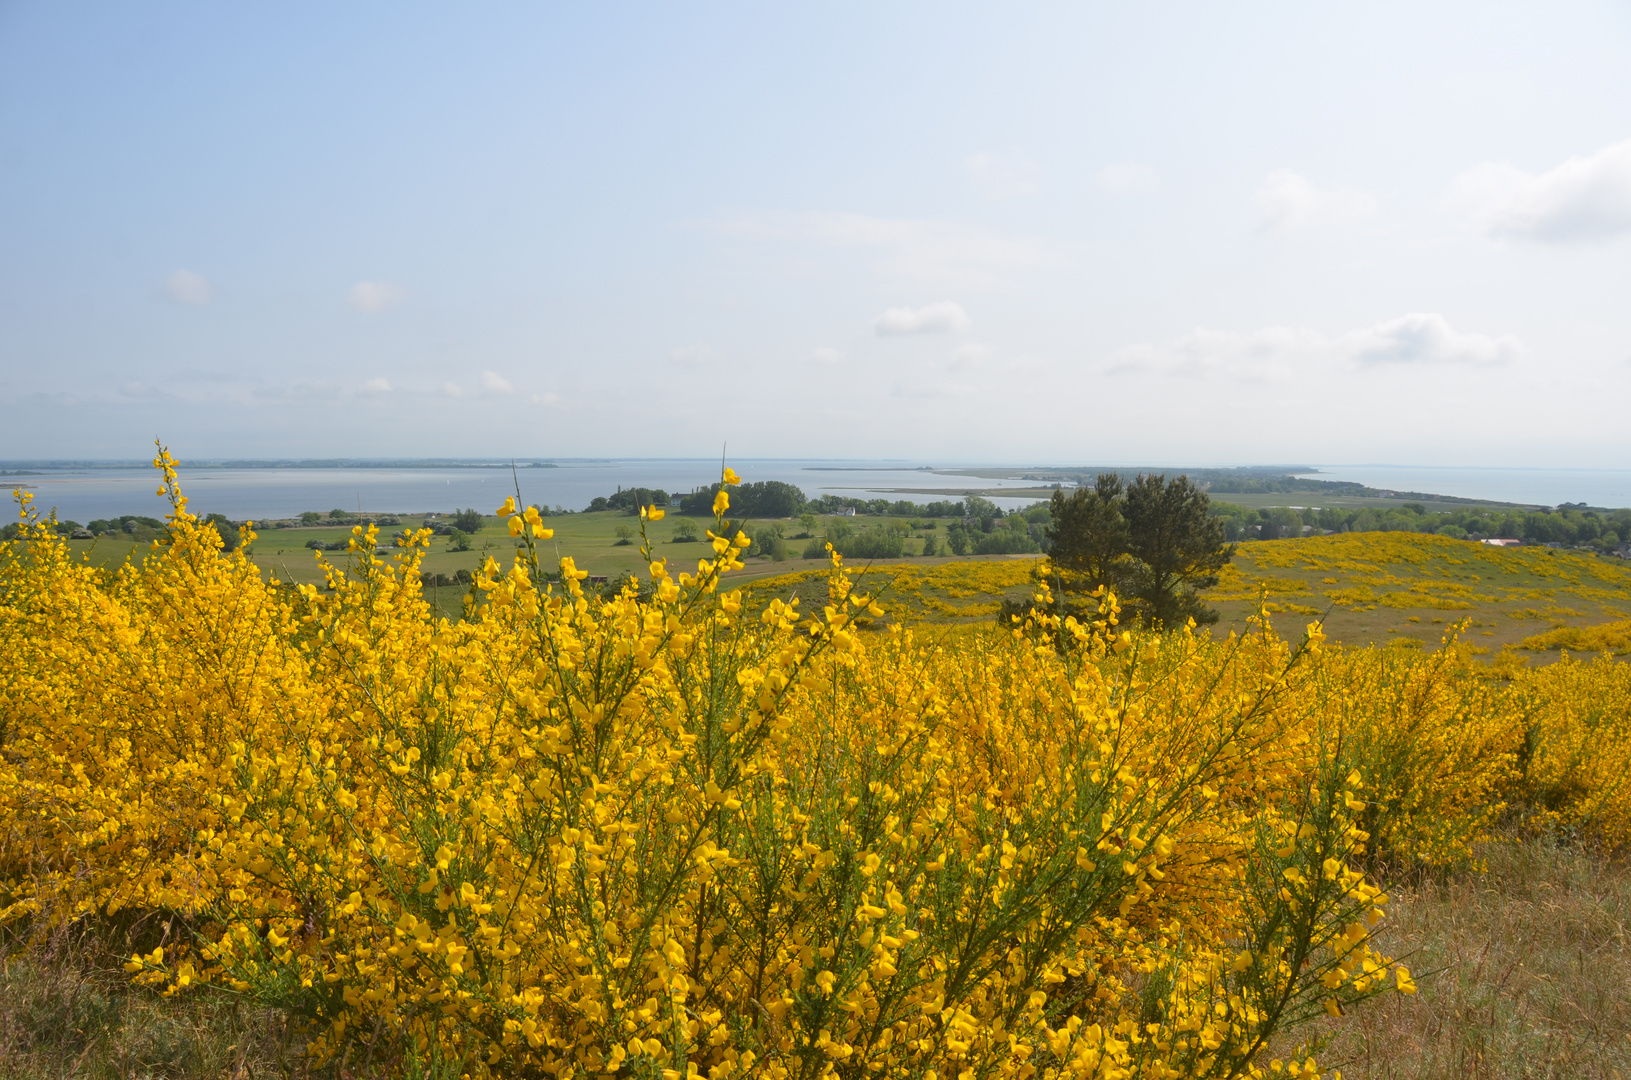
pixel 84 495
pixel 1538 487
pixel 266 493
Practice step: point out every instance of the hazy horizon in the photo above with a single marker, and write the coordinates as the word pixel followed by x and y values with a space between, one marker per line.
pixel 1041 234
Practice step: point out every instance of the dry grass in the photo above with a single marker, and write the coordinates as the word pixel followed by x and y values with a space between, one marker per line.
pixel 68 1013
pixel 1533 974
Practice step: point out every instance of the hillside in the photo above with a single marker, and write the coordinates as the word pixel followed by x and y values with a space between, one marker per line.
pixel 1368 587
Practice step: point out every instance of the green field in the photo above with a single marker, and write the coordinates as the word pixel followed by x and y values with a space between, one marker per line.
pixel 1369 587
pixel 589 538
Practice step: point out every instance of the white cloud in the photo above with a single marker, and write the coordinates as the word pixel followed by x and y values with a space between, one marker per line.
pixel 1125 177
pixel 377 386
pixel 494 383
pixel 925 251
pixel 1585 198
pixel 825 357
pixel 552 399
pixel 453 390
pixel 942 317
pixel 1427 339
pixel 693 354
pixel 1002 176
pixel 1267 355
pixel 189 288
pixel 372 297
pixel 1280 353
pixel 134 389
pixel 1288 202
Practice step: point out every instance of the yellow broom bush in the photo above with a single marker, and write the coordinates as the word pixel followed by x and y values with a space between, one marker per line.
pixel 685 835
pixel 1577 771
pixel 1438 744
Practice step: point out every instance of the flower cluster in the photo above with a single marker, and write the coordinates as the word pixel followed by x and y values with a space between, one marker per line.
pixel 677 832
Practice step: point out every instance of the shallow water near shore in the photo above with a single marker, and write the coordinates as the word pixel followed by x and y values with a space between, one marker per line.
pixel 265 494
pixel 84 494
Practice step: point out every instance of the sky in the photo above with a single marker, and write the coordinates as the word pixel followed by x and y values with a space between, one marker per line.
pixel 1011 233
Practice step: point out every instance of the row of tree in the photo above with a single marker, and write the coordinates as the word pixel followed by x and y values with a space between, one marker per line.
pixel 760 499
pixel 777 499
pixel 1568 525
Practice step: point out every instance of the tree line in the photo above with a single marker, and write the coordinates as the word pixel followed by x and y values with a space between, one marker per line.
pixel 1569 525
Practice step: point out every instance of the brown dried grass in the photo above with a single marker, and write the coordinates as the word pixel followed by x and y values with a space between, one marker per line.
pixel 1524 969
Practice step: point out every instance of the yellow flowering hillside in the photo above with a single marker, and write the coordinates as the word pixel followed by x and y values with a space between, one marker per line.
pixel 1368 586
pixel 680 833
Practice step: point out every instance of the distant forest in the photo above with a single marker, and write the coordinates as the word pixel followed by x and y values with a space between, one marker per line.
pixel 1570 526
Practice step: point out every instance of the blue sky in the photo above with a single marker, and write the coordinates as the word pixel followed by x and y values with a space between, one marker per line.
pixel 1163 233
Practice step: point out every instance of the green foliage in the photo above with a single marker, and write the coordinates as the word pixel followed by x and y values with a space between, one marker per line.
pixel 761 499
pixel 1178 545
pixel 311 517
pixel 832 504
pixel 337 514
pixel 874 542
pixel 226 530
pixel 129 523
pixel 1088 536
pixel 1008 536
pixel 467 521
pixel 984 509
pixel 458 540
pixel 630 500
pixel 1153 541
pixel 1568 526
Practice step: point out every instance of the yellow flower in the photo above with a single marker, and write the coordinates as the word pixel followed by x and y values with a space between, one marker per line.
pixel 722 503
pixel 459 782
pixel 730 476
pixel 508 507
pixel 653 513
pixel 516 525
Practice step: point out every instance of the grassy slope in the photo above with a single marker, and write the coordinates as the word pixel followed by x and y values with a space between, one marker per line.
pixel 1370 587
pixel 1373 587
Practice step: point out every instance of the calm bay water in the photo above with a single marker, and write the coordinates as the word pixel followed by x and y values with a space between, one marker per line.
pixel 1543 487
pixel 85 494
